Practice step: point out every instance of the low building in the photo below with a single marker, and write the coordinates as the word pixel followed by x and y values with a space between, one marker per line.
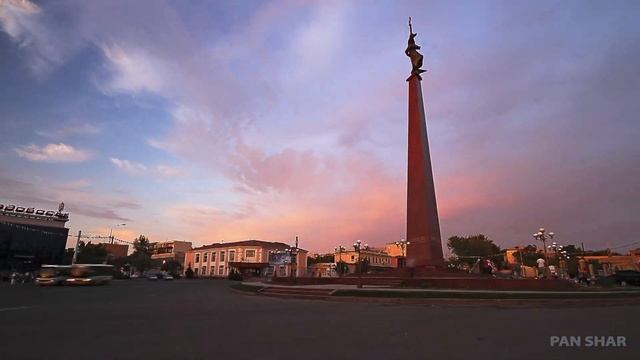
pixel 170 250
pixel 376 260
pixel 31 237
pixel 611 263
pixel 395 250
pixel 249 257
pixel 322 270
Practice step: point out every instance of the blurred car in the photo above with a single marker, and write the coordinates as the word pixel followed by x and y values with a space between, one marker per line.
pixel 53 275
pixel 626 277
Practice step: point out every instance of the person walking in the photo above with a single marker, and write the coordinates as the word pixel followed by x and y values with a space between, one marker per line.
pixel 541 267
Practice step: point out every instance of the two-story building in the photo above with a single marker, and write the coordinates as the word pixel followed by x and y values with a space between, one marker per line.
pixel 170 250
pixel 376 260
pixel 249 257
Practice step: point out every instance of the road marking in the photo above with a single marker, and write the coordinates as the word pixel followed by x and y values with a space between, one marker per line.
pixel 15 308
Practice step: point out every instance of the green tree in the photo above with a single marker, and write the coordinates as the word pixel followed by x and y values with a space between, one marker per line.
pixel 342 267
pixel 468 247
pixel 189 274
pixel 142 245
pixel 326 258
pixel 140 261
pixel 89 253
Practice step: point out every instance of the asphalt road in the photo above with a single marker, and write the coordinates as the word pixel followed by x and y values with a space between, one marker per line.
pixel 199 319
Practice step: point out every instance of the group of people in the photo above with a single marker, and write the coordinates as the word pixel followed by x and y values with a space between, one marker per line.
pixel 21 278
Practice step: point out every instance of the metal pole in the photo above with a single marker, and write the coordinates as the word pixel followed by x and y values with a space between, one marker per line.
pixel 359 267
pixel 75 251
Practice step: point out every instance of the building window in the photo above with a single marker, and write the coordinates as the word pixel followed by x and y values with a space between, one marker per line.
pixel 205 257
pixel 221 256
pixel 353 258
pixel 204 270
pixel 197 258
pixel 232 255
pixel 213 257
pixel 250 253
pixel 213 269
pixel 221 268
pixel 195 271
pixel 283 271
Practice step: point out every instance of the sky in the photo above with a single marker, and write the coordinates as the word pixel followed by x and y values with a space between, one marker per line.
pixel 212 121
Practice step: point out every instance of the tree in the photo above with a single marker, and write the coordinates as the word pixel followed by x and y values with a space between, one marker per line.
pixel 326 258
pixel 342 267
pixel 89 253
pixel 528 254
pixel 468 248
pixel 140 261
pixel 141 257
pixel 142 245
pixel 189 274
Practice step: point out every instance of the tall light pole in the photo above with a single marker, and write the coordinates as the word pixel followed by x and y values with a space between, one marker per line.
pixel 111 231
pixel 561 255
pixel 402 244
pixel 339 249
pixel 358 247
pixel 541 235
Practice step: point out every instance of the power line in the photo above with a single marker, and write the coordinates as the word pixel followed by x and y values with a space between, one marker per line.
pixel 622 246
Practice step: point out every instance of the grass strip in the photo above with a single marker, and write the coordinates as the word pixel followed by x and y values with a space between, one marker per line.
pixel 246 288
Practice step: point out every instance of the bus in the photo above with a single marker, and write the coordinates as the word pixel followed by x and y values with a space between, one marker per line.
pixel 53 274
pixel 90 274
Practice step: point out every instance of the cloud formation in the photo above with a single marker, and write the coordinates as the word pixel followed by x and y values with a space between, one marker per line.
pixel 294 119
pixel 53 153
pixel 135 168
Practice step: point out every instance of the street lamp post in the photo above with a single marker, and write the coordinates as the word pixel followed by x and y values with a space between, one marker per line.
pixel 339 249
pixel 402 244
pixel 276 258
pixel 561 255
pixel 358 247
pixel 111 231
pixel 541 235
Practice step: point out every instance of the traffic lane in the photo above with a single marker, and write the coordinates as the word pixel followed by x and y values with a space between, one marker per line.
pixel 198 319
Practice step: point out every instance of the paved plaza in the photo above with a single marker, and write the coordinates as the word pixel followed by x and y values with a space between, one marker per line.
pixel 204 319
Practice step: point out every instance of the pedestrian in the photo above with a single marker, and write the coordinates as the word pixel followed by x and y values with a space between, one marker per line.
pixel 541 267
pixel 517 271
pixel 14 278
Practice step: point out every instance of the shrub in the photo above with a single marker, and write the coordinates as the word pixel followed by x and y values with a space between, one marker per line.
pixel 235 276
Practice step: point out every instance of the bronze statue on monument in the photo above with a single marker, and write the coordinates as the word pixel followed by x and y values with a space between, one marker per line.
pixel 413 54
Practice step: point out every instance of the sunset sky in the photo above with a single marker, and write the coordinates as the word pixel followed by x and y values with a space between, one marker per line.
pixel 229 120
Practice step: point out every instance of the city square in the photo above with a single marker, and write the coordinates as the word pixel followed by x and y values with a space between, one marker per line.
pixel 331 179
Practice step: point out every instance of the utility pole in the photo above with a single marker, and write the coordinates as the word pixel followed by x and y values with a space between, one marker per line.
pixel 75 251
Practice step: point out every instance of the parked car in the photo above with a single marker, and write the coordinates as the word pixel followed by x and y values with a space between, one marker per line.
pixel 626 277
pixel 159 276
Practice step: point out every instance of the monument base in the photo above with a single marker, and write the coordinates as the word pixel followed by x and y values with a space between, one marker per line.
pixel 451 281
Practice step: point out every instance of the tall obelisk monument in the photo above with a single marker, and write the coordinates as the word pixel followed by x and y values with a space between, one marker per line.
pixel 424 248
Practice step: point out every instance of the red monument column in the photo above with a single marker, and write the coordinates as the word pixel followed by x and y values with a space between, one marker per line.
pixel 424 249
